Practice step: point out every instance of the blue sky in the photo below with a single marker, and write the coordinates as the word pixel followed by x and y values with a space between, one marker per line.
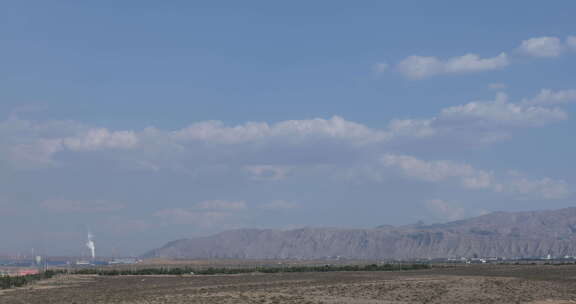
pixel 146 121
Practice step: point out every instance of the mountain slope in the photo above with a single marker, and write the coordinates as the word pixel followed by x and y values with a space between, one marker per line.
pixel 500 234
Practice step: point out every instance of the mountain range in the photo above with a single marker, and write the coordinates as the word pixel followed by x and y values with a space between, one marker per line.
pixel 498 234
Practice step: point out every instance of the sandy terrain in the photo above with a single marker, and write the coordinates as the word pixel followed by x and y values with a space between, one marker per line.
pixel 466 284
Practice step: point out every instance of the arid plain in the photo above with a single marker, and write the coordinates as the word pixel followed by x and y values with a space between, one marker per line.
pixel 538 284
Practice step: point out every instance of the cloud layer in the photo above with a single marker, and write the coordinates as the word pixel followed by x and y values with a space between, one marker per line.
pixel 547 46
pixel 469 177
pixel 258 146
pixel 420 67
pixel 264 152
pixel 542 47
pixel 80 206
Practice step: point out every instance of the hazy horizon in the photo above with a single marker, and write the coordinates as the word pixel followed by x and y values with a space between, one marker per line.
pixel 145 122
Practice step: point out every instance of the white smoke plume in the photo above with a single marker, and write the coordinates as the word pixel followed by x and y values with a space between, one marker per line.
pixel 90 244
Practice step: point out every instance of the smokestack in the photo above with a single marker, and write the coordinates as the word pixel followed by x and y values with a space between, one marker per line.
pixel 90 244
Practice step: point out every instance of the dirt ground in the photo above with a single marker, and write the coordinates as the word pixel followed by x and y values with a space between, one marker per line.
pixel 464 284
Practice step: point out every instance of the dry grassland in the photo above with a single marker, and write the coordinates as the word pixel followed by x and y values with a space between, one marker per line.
pixel 465 284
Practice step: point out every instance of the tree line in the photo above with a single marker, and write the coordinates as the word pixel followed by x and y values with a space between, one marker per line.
pixel 259 269
pixel 19 281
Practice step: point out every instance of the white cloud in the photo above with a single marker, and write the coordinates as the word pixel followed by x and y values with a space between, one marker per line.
pixel 30 144
pixel 84 206
pixel 484 121
pixel 547 187
pixel 497 86
pixel 412 127
pixel 220 205
pixel 471 178
pixel 473 63
pixel 547 97
pixel 205 215
pixel 293 130
pixel 278 205
pixel 126 226
pixel 445 210
pixel 542 47
pixel 502 112
pixel 380 67
pixel 418 67
pixel 571 42
pixel 437 170
pixel 270 151
pixel 274 152
pixel 9 207
pixel 34 153
pixel 267 172
pixel 96 139
pixel 201 219
pixel 216 214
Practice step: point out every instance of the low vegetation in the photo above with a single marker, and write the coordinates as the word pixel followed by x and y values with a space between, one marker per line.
pixel 290 269
pixel 19 281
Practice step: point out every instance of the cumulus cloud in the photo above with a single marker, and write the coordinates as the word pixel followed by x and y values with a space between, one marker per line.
pixel 203 144
pixel 278 205
pixel 487 121
pixel 412 127
pixel 100 138
pixel 201 219
pixel 205 215
pixel 571 42
pixel 264 151
pixel 219 205
pixel 218 214
pixel 542 47
pixel 267 172
pixel 497 86
pixel 472 178
pixel 549 188
pixel 547 46
pixel 126 226
pixel 380 67
pixel 31 144
pixel 25 143
pixel 80 206
pixel 547 97
pixel 445 210
pixel 502 112
pixel 33 153
pixel 436 171
pixel 419 67
pixel 9 207
pixel 293 130
pixel 269 152
pixel 473 63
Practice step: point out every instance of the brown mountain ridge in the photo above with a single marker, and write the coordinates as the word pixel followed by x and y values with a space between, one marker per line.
pixel 498 234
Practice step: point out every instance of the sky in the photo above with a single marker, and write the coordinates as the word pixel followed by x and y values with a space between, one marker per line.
pixel 143 122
